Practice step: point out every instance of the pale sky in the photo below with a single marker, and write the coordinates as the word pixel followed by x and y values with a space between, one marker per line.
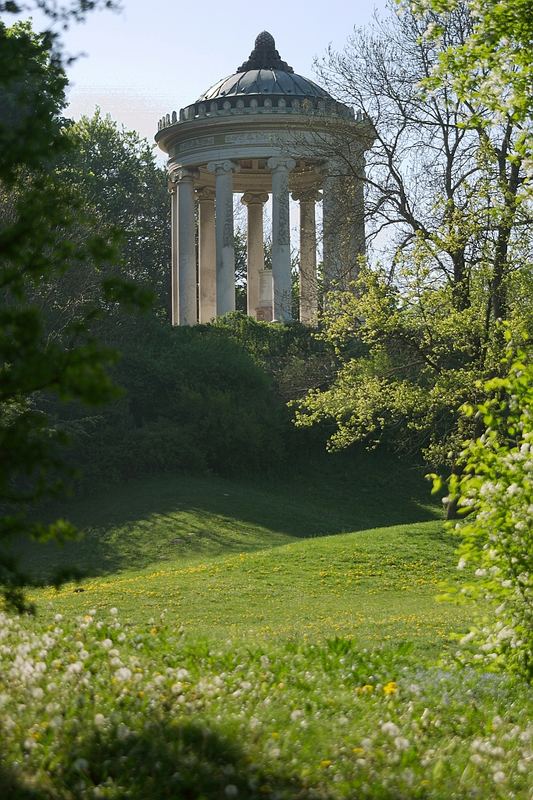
pixel 156 56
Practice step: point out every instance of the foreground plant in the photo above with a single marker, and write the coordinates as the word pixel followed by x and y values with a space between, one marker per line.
pixel 45 235
pixel 95 708
pixel 495 490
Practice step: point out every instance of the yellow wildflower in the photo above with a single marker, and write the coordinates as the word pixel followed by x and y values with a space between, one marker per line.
pixel 390 688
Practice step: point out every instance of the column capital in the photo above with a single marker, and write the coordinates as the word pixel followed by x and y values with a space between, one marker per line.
pixel 276 162
pixel 183 174
pixel 220 167
pixel 254 198
pixel 205 194
pixel 307 195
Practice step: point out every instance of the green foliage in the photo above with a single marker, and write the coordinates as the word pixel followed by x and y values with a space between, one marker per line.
pixel 450 177
pixel 495 492
pixel 193 401
pixel 409 359
pixel 290 354
pixel 239 243
pixel 492 69
pixel 32 95
pixel 125 192
pixel 495 62
pixel 57 11
pixel 40 242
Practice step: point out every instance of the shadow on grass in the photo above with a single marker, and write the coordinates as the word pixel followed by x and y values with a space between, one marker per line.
pixel 167 516
pixel 166 762
pixel 14 787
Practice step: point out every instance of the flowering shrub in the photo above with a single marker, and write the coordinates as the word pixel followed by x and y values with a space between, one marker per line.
pixel 95 708
pixel 496 493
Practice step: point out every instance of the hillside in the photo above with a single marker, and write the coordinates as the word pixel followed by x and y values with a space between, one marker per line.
pixel 314 555
pixel 375 585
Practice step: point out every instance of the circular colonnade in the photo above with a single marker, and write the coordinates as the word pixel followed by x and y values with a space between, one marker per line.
pixel 262 131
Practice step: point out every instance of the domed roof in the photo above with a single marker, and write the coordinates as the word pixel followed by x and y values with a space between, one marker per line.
pixel 264 73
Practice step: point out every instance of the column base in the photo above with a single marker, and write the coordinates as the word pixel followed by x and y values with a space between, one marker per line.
pixel 264 314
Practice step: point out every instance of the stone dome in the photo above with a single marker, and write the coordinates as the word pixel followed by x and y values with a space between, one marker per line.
pixel 264 73
pixel 262 131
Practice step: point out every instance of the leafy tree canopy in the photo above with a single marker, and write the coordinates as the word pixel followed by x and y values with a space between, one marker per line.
pixel 495 62
pixel 40 217
pixel 420 331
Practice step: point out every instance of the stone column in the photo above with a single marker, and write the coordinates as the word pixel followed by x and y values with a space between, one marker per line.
pixel 225 250
pixel 174 281
pixel 331 233
pixel 206 254
pixel 264 311
pixel 308 277
pixel 359 239
pixel 343 223
pixel 254 201
pixel 186 248
pixel 281 245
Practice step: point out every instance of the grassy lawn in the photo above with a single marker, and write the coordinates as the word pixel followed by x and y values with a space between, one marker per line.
pixel 277 639
pixel 95 707
pixel 317 554
pixel 376 585
pixel 159 518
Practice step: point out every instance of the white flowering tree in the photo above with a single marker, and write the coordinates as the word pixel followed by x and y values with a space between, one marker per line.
pixel 495 493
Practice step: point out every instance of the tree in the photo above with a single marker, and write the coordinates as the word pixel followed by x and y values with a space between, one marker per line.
pixel 39 216
pixel 239 242
pixel 125 198
pixel 443 189
pixel 495 62
pixel 447 185
pixel 124 189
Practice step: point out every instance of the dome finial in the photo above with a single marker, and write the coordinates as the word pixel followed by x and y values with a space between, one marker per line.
pixel 264 55
pixel 265 39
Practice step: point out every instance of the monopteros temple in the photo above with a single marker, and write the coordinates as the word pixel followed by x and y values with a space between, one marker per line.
pixel 263 130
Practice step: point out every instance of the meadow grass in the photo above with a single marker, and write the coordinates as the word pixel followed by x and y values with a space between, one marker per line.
pixel 271 639
pixel 146 521
pixel 93 707
pixel 286 557
pixel 376 585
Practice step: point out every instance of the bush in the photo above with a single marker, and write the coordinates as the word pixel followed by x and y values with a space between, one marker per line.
pixel 193 400
pixel 495 492
pixel 292 355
